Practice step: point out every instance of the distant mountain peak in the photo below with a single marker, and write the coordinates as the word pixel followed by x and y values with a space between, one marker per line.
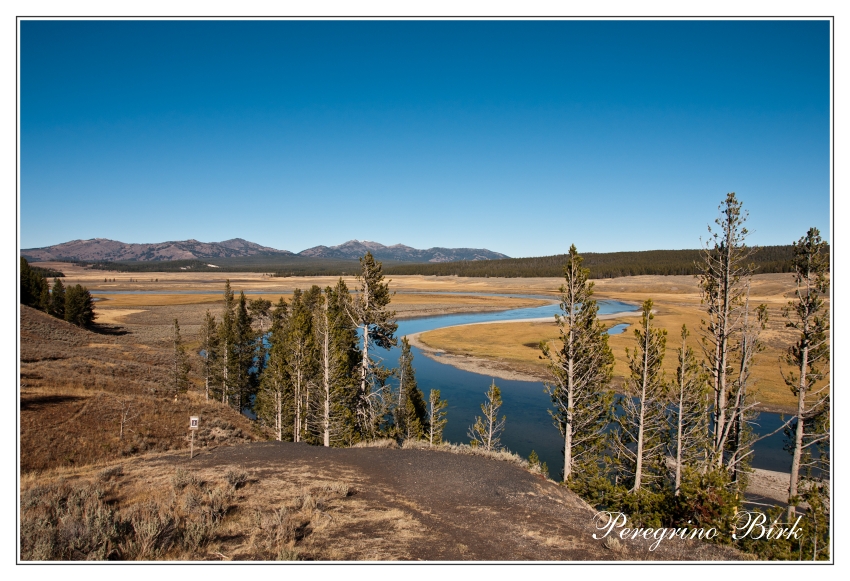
pixel 399 252
pixel 106 250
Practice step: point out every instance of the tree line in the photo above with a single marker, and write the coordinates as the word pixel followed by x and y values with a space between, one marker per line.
pixel 767 259
pixel 673 452
pixel 307 368
pixel 73 304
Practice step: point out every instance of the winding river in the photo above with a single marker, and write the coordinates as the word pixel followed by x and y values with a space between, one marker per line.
pixel 526 405
pixel 529 426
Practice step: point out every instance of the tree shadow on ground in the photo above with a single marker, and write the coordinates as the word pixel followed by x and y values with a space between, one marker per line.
pixel 102 329
pixel 28 403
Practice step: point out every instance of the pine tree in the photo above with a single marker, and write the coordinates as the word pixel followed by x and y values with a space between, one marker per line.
pixel 260 310
pixel 209 352
pixel 244 350
pixel 57 299
pixel 436 417
pixel 411 409
pixel 641 435
pixel 336 341
pixel 181 361
pixel 301 361
pixel 377 327
pixel 740 436
pixel 347 358
pixel 688 419
pixel 487 430
pixel 273 407
pixel 34 291
pixel 581 372
pixel 226 341
pixel 79 308
pixel 808 314
pixel 723 277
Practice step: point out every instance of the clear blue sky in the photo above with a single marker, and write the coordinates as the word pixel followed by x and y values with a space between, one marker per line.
pixel 520 137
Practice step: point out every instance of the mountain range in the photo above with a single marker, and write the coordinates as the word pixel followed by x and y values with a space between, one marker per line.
pixel 105 250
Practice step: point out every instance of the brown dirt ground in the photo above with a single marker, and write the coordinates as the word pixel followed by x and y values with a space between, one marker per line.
pixel 401 504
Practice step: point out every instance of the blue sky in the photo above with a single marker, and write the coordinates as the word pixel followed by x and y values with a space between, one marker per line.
pixel 520 137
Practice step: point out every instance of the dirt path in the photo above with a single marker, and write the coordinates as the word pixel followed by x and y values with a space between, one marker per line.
pixel 457 507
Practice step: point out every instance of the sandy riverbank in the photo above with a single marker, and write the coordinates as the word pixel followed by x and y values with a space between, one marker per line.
pixel 511 370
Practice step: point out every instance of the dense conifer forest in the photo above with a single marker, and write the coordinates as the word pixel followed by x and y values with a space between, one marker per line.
pixel 767 259
pixel 602 265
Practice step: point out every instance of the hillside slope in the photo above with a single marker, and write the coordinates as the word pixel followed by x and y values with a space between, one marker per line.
pixel 77 385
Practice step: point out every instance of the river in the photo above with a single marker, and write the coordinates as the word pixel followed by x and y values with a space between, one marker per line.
pixel 525 404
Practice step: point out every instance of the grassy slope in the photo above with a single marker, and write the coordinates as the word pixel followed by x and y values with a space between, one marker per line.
pixel 74 383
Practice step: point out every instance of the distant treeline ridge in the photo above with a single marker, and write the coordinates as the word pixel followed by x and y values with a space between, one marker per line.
pixel 602 265
pixel 767 259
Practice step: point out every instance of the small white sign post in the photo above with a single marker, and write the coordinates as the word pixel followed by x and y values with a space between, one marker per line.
pixel 193 425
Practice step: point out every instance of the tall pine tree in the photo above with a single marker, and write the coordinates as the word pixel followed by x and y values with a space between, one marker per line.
pixel 57 299
pixel 411 415
pixel 581 370
pixel 641 436
pixel 808 315
pixel 377 328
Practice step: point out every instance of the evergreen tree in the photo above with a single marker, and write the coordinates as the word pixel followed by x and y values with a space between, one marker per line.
pixel 79 308
pixel 436 417
pixel 808 315
pixel 57 299
pixel 273 407
pixel 411 410
pixel 641 435
pixel 377 327
pixel 347 362
pixel 301 362
pixel 227 345
pixel 34 291
pixel 336 343
pixel 487 430
pixel 741 438
pixel 581 372
pixel 245 354
pixel 209 352
pixel 260 310
pixel 724 274
pixel 180 368
pixel 688 418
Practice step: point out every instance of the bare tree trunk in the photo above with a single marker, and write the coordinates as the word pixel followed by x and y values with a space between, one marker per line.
pixel 798 434
pixel 326 356
pixel 278 403
pixel 644 379
pixel 224 374
pixel 568 427
pixel 364 374
pixel 678 481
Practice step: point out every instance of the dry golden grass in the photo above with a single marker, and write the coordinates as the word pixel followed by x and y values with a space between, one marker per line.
pixel 120 300
pixel 167 512
pixel 113 316
pixel 74 383
pixel 399 301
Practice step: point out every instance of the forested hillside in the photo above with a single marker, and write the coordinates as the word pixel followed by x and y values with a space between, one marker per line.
pixel 602 265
